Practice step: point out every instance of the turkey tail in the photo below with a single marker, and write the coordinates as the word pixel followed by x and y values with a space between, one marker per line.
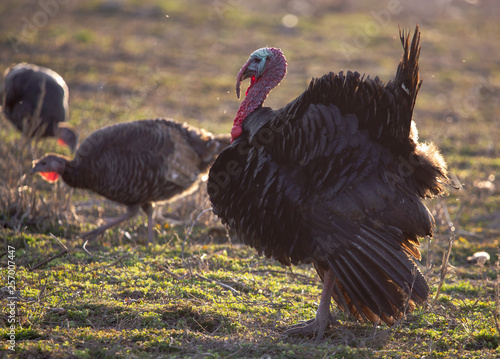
pixel 407 75
pixel 430 173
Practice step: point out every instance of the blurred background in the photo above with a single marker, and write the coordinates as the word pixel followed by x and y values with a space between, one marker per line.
pixel 127 60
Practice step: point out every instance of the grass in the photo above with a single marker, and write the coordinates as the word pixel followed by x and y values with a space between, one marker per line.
pixel 131 300
pixel 201 293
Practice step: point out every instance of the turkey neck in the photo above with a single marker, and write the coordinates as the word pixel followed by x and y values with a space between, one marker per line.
pixel 253 100
pixel 258 93
pixel 72 176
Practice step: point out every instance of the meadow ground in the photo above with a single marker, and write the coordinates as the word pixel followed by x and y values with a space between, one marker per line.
pixel 200 293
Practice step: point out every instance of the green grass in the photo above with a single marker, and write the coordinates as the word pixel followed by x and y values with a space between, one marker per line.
pixel 217 298
pixel 136 300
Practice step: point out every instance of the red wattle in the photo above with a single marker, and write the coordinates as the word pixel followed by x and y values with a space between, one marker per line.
pixel 236 132
pixel 50 176
pixel 252 82
pixel 60 142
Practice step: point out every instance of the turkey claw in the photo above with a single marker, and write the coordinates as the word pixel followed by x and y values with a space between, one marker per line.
pixel 315 327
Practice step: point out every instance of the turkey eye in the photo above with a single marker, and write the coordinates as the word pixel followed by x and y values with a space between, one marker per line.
pixel 257 59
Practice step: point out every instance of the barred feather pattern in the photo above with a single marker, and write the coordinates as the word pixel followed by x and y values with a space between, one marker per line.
pixel 336 178
pixel 142 161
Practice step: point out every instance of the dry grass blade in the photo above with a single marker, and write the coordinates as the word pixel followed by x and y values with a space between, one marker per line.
pixel 175 276
pixel 219 283
pixel 60 254
pixel 444 268
pixel 63 252
pixel 190 229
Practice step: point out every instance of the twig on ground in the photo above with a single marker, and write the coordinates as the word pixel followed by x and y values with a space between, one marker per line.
pixel 117 260
pixel 114 350
pixel 444 268
pixel 190 229
pixel 175 276
pixel 447 252
pixel 85 248
pixel 236 352
pixel 407 299
pixel 216 330
pixel 452 322
pixel 219 283
pixel 61 243
pixel 428 262
pixel 448 217
pixel 63 252
pixel 278 317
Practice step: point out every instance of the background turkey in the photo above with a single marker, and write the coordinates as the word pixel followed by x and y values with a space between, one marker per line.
pixel 335 178
pixel 35 100
pixel 136 164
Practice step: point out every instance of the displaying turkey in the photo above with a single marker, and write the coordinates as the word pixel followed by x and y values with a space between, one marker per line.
pixel 335 178
pixel 35 100
pixel 135 164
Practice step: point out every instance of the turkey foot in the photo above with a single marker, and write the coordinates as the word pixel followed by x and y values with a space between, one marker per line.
pixel 315 327
pixel 323 318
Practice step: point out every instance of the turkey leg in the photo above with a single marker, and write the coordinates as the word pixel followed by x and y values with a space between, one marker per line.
pixel 131 212
pixel 148 208
pixel 323 318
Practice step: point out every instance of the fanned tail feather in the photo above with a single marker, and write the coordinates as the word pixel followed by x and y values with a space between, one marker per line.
pixel 375 280
pixel 407 74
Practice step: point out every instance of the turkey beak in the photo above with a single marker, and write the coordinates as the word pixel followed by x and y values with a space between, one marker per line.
pixel 246 72
pixel 34 169
pixel 243 74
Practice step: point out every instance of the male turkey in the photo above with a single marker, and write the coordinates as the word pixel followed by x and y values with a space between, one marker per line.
pixel 35 100
pixel 335 178
pixel 135 164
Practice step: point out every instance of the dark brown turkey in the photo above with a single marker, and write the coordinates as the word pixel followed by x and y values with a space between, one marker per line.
pixel 335 178
pixel 135 164
pixel 35 100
